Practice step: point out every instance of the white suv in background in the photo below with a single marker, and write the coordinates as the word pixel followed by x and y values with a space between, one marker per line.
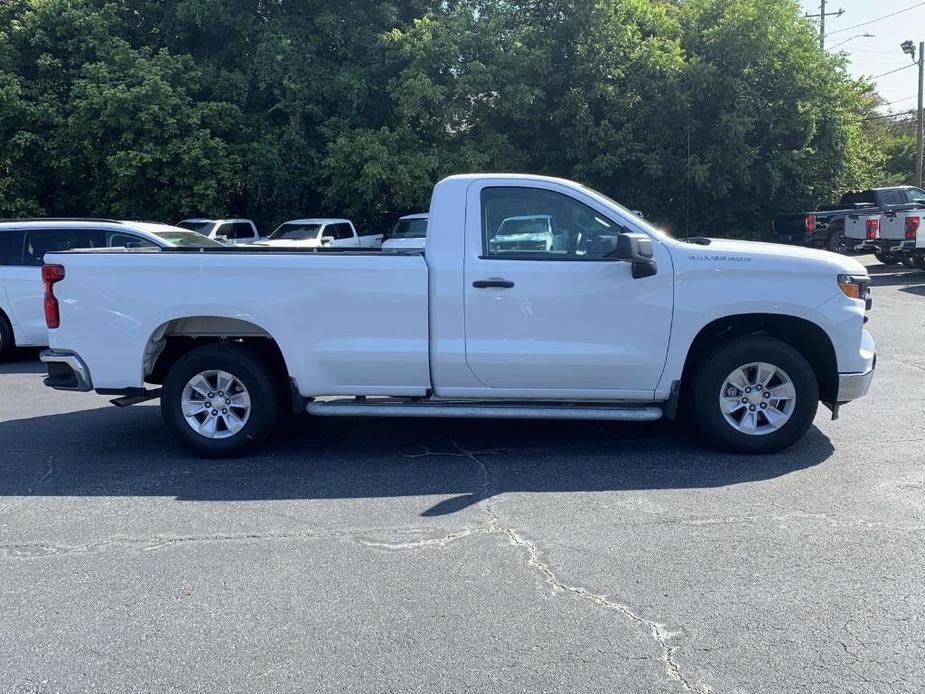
pixel 232 231
pixel 23 245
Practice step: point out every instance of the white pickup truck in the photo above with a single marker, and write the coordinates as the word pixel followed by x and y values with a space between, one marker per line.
pixel 314 233
pixel 898 239
pixel 612 320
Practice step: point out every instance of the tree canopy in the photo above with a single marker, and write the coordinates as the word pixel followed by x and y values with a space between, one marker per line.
pixel 709 115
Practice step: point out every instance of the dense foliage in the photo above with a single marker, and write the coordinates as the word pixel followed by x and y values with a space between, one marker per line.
pixel 709 115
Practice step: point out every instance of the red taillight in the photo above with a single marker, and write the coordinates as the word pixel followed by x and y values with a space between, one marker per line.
pixel 50 275
pixel 810 223
pixel 912 226
pixel 873 226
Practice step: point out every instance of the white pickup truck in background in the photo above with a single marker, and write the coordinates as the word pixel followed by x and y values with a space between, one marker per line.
pixel 409 231
pixel 899 233
pixel 315 233
pixel 611 319
pixel 231 231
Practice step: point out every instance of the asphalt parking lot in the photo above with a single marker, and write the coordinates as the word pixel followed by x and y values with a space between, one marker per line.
pixel 423 556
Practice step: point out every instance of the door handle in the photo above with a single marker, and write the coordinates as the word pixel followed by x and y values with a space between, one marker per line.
pixel 487 284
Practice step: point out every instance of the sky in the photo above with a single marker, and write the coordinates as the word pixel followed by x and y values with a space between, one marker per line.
pixel 874 56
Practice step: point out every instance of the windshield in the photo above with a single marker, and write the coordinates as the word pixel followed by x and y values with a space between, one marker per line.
pixel 640 222
pixel 409 229
pixel 200 227
pixel 296 232
pixel 187 239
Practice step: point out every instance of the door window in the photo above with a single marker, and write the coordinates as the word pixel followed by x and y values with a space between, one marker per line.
pixel 42 241
pixel 916 195
pixel 226 230
pixel 341 231
pixel 11 247
pixel 537 224
pixel 891 197
pixel 243 230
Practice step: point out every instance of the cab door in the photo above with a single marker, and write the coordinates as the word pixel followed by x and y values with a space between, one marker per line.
pixel 343 235
pixel 557 317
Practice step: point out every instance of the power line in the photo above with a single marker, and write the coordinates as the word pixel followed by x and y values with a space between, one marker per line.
pixel 878 19
pixel 904 67
pixel 905 98
pixel 889 115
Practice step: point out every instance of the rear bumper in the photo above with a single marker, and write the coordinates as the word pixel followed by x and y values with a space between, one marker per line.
pixel 66 371
pixel 855 386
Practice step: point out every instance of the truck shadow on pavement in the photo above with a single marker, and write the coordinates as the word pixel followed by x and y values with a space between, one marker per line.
pixel 910 281
pixel 106 452
pixel 22 361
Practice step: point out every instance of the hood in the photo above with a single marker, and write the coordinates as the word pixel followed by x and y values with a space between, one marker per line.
pixel 731 250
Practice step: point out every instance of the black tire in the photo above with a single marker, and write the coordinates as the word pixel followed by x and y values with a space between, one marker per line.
pixel 886 258
pixel 711 375
pixel 837 242
pixel 7 342
pixel 258 378
pixel 920 262
pixel 908 261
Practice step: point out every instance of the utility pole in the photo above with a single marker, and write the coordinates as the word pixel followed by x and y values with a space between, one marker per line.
pixel 822 24
pixel 822 15
pixel 920 154
pixel 909 49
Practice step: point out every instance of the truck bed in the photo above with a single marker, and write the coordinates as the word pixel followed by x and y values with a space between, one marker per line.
pixel 349 321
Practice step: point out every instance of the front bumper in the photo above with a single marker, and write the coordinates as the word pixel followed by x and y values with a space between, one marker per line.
pixel 855 386
pixel 66 371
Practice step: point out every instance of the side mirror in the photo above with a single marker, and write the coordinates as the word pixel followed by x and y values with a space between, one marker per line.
pixel 221 238
pixel 326 240
pixel 638 250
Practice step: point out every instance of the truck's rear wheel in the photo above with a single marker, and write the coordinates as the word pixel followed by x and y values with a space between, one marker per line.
pixel 908 261
pixel 886 258
pixel 221 400
pixel 754 395
pixel 920 262
pixel 837 242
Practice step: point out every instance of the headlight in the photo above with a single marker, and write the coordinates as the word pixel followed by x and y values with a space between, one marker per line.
pixel 854 286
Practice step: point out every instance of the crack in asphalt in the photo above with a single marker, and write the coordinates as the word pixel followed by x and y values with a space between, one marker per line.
pixel 496 526
pixel 46 473
pixel 30 550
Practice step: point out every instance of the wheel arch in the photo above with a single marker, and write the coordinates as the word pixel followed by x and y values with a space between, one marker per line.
pixel 178 336
pixel 808 338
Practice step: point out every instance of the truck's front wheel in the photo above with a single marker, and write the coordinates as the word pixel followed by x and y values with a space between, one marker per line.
pixel 754 395
pixel 220 400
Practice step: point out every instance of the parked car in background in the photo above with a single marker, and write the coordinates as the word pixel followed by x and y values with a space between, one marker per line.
pixel 409 231
pixel 315 233
pixel 232 231
pixel 618 322
pixel 825 227
pixel 899 234
pixel 524 233
pixel 862 231
pixel 24 243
